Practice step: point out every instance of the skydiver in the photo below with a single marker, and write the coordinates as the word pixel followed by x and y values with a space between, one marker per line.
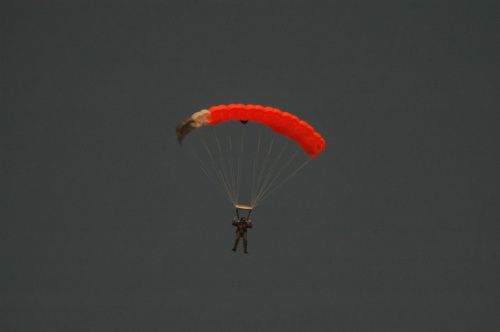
pixel 241 231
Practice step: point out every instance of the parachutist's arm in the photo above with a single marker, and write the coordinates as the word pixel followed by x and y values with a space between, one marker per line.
pixel 249 224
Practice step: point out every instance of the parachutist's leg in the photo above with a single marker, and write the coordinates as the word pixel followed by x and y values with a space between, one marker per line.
pixel 236 241
pixel 245 242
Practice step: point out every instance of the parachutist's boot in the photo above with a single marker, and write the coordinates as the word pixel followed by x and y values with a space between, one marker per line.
pixel 235 245
pixel 245 246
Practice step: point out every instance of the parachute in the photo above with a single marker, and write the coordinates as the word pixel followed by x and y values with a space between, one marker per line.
pixel 250 146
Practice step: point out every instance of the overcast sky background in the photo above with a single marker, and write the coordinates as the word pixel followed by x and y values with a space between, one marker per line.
pixel 105 225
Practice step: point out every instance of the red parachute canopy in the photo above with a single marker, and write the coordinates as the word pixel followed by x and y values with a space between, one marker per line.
pixel 224 162
pixel 281 122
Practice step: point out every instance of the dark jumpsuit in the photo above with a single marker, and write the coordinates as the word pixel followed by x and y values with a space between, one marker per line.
pixel 241 231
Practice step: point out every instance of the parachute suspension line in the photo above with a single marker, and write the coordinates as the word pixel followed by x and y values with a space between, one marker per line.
pixel 218 184
pixel 270 178
pixel 207 173
pixel 226 174
pixel 220 171
pixel 259 182
pixel 222 178
pixel 232 180
pixel 282 182
pixel 240 166
pixel 255 163
pixel 264 165
pixel 260 197
pixel 263 180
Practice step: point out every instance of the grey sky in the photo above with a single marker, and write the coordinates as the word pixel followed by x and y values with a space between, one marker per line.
pixel 105 225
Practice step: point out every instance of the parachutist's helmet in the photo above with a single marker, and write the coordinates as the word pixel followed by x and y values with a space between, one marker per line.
pixel 242 219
